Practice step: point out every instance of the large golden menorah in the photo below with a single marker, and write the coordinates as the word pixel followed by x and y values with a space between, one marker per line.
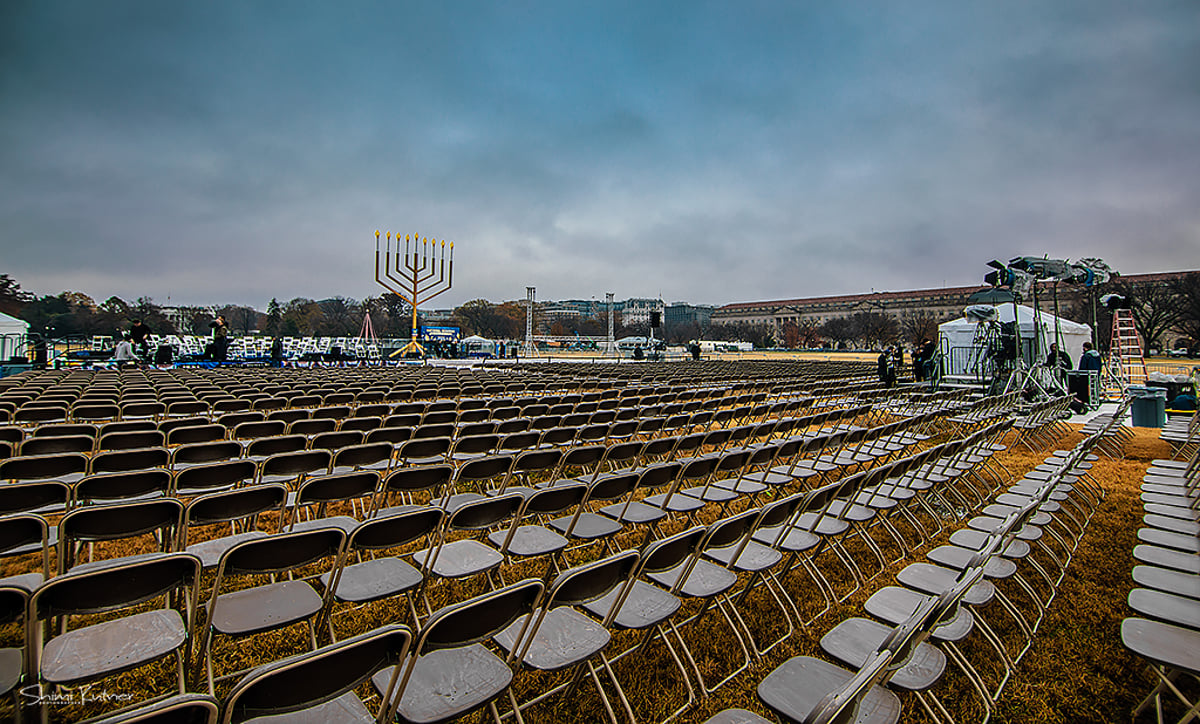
pixel 417 275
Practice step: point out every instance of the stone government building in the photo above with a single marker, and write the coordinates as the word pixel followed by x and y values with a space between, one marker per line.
pixel 942 304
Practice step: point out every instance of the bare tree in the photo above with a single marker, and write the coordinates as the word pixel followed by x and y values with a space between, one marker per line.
pixel 919 327
pixel 838 330
pixel 875 328
pixel 1187 292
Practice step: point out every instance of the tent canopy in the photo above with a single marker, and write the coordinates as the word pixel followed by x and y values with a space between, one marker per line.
pixel 960 334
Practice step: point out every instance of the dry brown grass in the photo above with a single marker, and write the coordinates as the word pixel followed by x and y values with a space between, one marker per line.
pixel 1076 671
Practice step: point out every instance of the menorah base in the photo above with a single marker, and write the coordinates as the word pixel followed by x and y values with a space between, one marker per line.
pixel 412 346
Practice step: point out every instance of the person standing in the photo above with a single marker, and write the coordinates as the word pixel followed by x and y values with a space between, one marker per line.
pixel 928 351
pixel 139 334
pixel 887 373
pixel 1059 361
pixel 1090 359
pixel 220 342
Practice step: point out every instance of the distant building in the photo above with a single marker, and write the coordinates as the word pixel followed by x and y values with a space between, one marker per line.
pixel 939 303
pixel 679 313
pixel 636 311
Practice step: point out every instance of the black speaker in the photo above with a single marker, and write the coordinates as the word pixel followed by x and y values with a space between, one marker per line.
pixel 163 355
pixel 655 319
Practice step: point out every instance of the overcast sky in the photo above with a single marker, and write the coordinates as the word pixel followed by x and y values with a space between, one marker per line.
pixel 713 152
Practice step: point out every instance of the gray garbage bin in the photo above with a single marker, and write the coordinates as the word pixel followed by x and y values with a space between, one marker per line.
pixel 1149 406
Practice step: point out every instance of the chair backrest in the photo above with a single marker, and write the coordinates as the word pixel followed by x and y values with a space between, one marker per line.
pixel 115 587
pixel 665 554
pixel 324 489
pixel 226 506
pixel 19 533
pixel 97 523
pixel 479 618
pixel 205 452
pixel 283 552
pixel 196 433
pixel 397 529
pixel 300 462
pixel 43 467
pixel 485 512
pixel 310 679
pixel 122 486
pixel 115 461
pixel 131 439
pixel 421 477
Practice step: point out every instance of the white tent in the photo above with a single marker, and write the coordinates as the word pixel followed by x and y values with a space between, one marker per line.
pixel 12 336
pixel 959 336
pixel 476 346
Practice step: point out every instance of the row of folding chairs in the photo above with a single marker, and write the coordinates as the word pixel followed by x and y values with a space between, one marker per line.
pixel 1043 422
pixel 489 502
pixel 1165 630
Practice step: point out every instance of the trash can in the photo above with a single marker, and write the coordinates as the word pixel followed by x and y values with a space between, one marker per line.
pixel 1148 406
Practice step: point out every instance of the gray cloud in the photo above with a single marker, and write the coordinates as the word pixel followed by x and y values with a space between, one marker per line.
pixel 234 152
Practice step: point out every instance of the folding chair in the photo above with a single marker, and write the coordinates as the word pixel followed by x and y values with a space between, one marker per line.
pixel 181 708
pixel 14 603
pixel 450 672
pixel 1172 652
pixel 641 606
pixel 315 494
pixel 239 509
pixel 61 656
pixel 382 575
pixel 319 685
pixel 273 605
pixel 560 636
pixel 466 557
pixel 25 534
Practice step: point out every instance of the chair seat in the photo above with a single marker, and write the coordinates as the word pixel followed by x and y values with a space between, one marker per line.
pixel 798 686
pixel 210 551
pixel 1173 646
pixel 344 522
pixel 374 579
pixel 959 558
pixel 1167 558
pixel 530 540
pixel 346 709
pixel 795 540
pixel 854 640
pixel 827 525
pixel 1175 610
pixel 24 581
pixel 704 580
pixel 112 646
pixel 264 607
pixel 745 486
pixel 462 558
pixel 10 669
pixel 1162 579
pixel 711 494
pixel 564 638
pixel 589 526
pixel 934 580
pixel 645 606
pixel 894 605
pixel 753 557
pixel 637 513
pixel 679 503
pixel 448 683
pixel 1167 539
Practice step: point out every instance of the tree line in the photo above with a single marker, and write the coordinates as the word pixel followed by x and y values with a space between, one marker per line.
pixel 1166 313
